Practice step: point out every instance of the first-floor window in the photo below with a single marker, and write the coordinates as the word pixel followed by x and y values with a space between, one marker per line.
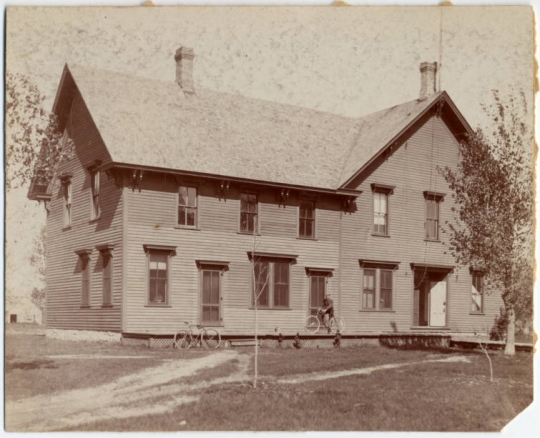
pixel 271 283
pixel 158 277
pixel 84 257
pixel 368 296
pixel 477 293
pixel 107 277
pixel 377 288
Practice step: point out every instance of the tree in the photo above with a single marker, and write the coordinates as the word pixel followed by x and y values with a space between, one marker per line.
pixel 260 276
pixel 38 259
pixel 34 144
pixel 493 193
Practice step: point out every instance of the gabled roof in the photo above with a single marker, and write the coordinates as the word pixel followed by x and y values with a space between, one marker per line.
pixel 151 123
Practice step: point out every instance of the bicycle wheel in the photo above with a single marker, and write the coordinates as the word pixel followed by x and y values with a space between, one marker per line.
pixel 312 324
pixel 336 324
pixel 182 339
pixel 210 339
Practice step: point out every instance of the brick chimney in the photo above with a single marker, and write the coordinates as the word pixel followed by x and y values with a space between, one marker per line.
pixel 428 86
pixel 184 69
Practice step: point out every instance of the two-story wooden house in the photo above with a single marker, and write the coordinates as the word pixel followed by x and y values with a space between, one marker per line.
pixel 174 193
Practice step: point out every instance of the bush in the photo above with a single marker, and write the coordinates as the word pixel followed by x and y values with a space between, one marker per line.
pixel 498 331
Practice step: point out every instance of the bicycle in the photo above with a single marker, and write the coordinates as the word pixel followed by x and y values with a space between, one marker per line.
pixel 204 337
pixel 314 323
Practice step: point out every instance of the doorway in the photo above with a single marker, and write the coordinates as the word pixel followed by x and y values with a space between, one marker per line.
pixel 430 299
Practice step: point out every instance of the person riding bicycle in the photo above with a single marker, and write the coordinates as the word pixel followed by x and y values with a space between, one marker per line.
pixel 328 309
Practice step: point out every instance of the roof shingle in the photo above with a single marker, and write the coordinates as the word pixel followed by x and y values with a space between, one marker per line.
pixel 153 123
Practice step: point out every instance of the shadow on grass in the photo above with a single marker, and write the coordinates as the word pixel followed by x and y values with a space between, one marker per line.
pixel 32 365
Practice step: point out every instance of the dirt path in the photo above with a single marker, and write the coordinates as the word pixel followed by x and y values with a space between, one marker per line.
pixel 129 396
pixel 324 376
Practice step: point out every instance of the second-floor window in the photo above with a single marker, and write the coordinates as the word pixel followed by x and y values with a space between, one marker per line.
pixel 67 201
pixel 380 213
pixel 433 201
pixel 248 212
pixel 432 219
pixel 95 182
pixel 381 194
pixel 187 206
pixel 306 226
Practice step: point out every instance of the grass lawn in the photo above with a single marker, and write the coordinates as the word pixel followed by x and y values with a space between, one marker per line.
pixel 456 396
pixel 33 365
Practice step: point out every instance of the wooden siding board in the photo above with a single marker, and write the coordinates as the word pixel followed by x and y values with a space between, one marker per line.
pixel 412 169
pixel 63 267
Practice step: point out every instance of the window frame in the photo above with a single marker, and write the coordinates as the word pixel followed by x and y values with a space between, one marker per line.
pixel 106 252
pixel 270 284
pixel 67 196
pixel 86 276
pixel 478 275
pixel 169 252
pixel 378 268
pixel 256 228
pixel 436 198
pixel 187 207
pixel 95 193
pixel 378 190
pixel 313 221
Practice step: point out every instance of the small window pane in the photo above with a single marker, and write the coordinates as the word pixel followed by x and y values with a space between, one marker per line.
pixel 368 294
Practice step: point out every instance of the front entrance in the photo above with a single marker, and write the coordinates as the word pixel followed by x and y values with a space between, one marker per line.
pixel 430 299
pixel 211 297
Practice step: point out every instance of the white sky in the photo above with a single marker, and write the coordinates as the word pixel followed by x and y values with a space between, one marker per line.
pixel 350 61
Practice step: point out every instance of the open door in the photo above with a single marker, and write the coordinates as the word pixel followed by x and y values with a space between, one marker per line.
pixel 437 304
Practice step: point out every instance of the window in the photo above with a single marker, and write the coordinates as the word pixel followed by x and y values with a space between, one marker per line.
pixel 67 195
pixel 106 259
pixel 477 292
pixel 95 180
pixel 385 300
pixel 380 213
pixel 381 194
pixel 84 257
pixel 187 206
pixel 368 295
pixel 158 273
pixel 248 212
pixel 307 219
pixel 157 270
pixel 432 214
pixel 271 283
pixel 377 284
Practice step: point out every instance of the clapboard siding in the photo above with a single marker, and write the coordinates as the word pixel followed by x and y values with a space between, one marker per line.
pixel 64 280
pixel 217 238
pixel 412 169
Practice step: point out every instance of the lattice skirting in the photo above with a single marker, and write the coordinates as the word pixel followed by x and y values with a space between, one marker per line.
pixel 285 343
